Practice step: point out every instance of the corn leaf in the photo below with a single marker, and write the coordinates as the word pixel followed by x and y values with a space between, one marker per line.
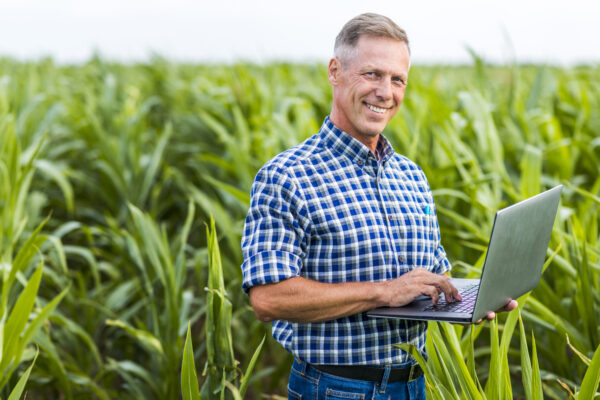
pixel 189 380
pixel 591 380
pixel 147 339
pixel 246 377
pixel 525 363
pixel 15 394
pixel 536 380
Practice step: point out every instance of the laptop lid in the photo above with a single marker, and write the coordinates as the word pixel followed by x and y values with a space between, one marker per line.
pixel 513 264
pixel 516 251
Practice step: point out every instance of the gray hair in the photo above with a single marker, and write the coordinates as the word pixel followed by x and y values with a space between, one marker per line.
pixel 369 24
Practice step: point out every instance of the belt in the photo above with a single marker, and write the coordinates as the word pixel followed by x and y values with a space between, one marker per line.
pixel 371 373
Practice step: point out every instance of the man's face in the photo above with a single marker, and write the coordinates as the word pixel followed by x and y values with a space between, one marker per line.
pixel 369 87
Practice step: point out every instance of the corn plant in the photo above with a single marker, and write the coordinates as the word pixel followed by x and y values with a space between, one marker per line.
pixel 221 368
pixel 21 262
pixel 120 152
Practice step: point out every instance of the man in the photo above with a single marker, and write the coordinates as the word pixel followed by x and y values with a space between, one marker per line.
pixel 341 224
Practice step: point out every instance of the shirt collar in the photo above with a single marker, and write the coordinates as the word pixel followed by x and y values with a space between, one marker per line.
pixel 342 143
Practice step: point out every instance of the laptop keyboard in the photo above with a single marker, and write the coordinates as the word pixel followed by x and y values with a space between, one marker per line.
pixel 468 294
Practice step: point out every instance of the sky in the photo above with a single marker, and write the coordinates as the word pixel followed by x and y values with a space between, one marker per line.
pixel 554 32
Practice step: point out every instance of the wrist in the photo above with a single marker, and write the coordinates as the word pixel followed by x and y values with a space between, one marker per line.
pixel 380 294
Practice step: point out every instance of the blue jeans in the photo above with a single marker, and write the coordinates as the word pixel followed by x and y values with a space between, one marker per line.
pixel 309 383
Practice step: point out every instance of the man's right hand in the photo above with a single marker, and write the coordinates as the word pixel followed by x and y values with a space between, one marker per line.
pixel 401 291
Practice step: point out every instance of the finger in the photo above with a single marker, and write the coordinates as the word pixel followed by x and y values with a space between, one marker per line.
pixel 491 315
pixel 449 290
pixel 510 306
pixel 433 293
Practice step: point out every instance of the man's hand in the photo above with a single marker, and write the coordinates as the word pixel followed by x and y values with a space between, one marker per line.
pixel 509 307
pixel 400 291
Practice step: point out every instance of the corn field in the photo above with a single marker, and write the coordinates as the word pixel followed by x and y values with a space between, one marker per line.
pixel 124 188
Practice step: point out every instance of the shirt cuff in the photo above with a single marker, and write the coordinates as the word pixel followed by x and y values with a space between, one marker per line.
pixel 270 267
pixel 441 262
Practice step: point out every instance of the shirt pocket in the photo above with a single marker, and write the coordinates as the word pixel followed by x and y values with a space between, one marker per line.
pixel 427 222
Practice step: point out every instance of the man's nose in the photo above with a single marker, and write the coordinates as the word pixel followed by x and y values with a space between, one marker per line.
pixel 384 89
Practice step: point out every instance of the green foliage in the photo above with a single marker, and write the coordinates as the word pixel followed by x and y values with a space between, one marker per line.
pixel 130 160
pixel 219 344
pixel 21 319
pixel 189 379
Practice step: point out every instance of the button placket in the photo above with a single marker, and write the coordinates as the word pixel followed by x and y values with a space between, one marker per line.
pixel 383 188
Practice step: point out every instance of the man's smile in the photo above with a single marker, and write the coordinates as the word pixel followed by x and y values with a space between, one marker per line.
pixel 378 110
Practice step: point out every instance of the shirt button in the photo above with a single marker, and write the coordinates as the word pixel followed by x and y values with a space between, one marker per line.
pixel 400 259
pixel 360 163
pixel 390 217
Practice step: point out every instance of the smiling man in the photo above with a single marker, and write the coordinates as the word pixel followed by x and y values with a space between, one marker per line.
pixel 341 224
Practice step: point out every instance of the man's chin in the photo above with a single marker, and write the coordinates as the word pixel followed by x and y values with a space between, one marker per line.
pixel 373 130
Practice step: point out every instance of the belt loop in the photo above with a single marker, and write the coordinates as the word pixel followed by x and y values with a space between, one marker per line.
pixel 413 370
pixel 386 377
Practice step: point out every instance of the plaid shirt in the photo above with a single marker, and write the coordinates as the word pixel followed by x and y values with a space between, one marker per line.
pixel 327 210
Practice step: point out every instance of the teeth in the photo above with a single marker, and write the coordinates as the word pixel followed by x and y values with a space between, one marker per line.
pixel 376 109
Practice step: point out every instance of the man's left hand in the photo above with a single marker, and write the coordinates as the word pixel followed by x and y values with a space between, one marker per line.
pixel 512 304
pixel 509 307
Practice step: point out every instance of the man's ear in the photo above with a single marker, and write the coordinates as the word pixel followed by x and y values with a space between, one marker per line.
pixel 334 71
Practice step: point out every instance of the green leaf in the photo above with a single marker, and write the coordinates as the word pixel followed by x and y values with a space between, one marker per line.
pixel 536 392
pixel 23 257
pixel 189 380
pixel 456 360
pixel 57 174
pixel 19 317
pixel 525 363
pixel 56 364
pixel 36 324
pixel 531 171
pixel 20 386
pixel 494 387
pixel 147 339
pixel 591 379
pixel 253 360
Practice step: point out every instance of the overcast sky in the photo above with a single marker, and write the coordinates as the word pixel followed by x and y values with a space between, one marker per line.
pixel 559 32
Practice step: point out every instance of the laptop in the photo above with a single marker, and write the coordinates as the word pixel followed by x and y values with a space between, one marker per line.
pixel 513 265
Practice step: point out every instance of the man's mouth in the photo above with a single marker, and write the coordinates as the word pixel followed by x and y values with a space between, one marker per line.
pixel 378 110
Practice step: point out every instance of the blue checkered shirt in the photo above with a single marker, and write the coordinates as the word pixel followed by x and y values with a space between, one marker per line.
pixel 327 210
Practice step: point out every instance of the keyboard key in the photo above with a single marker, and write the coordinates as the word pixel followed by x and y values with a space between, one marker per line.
pixel 468 294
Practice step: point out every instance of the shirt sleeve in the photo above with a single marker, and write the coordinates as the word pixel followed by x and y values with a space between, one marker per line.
pixel 441 261
pixel 273 242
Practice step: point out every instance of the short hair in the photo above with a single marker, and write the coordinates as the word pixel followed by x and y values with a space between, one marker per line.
pixel 368 24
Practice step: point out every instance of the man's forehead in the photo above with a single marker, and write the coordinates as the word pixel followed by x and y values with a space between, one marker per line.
pixel 396 66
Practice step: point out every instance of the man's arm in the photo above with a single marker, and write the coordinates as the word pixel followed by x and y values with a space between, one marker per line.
pixel 303 300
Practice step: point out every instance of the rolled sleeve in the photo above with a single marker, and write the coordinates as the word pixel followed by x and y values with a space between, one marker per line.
pixel 273 243
pixel 270 267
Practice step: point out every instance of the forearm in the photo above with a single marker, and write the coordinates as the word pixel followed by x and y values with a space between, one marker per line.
pixel 303 300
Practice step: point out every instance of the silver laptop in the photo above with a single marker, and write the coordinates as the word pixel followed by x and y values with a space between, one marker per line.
pixel 513 265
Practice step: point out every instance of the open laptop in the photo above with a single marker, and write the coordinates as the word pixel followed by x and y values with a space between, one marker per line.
pixel 513 265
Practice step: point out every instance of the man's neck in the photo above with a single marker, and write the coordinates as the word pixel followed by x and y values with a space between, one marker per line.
pixel 367 140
